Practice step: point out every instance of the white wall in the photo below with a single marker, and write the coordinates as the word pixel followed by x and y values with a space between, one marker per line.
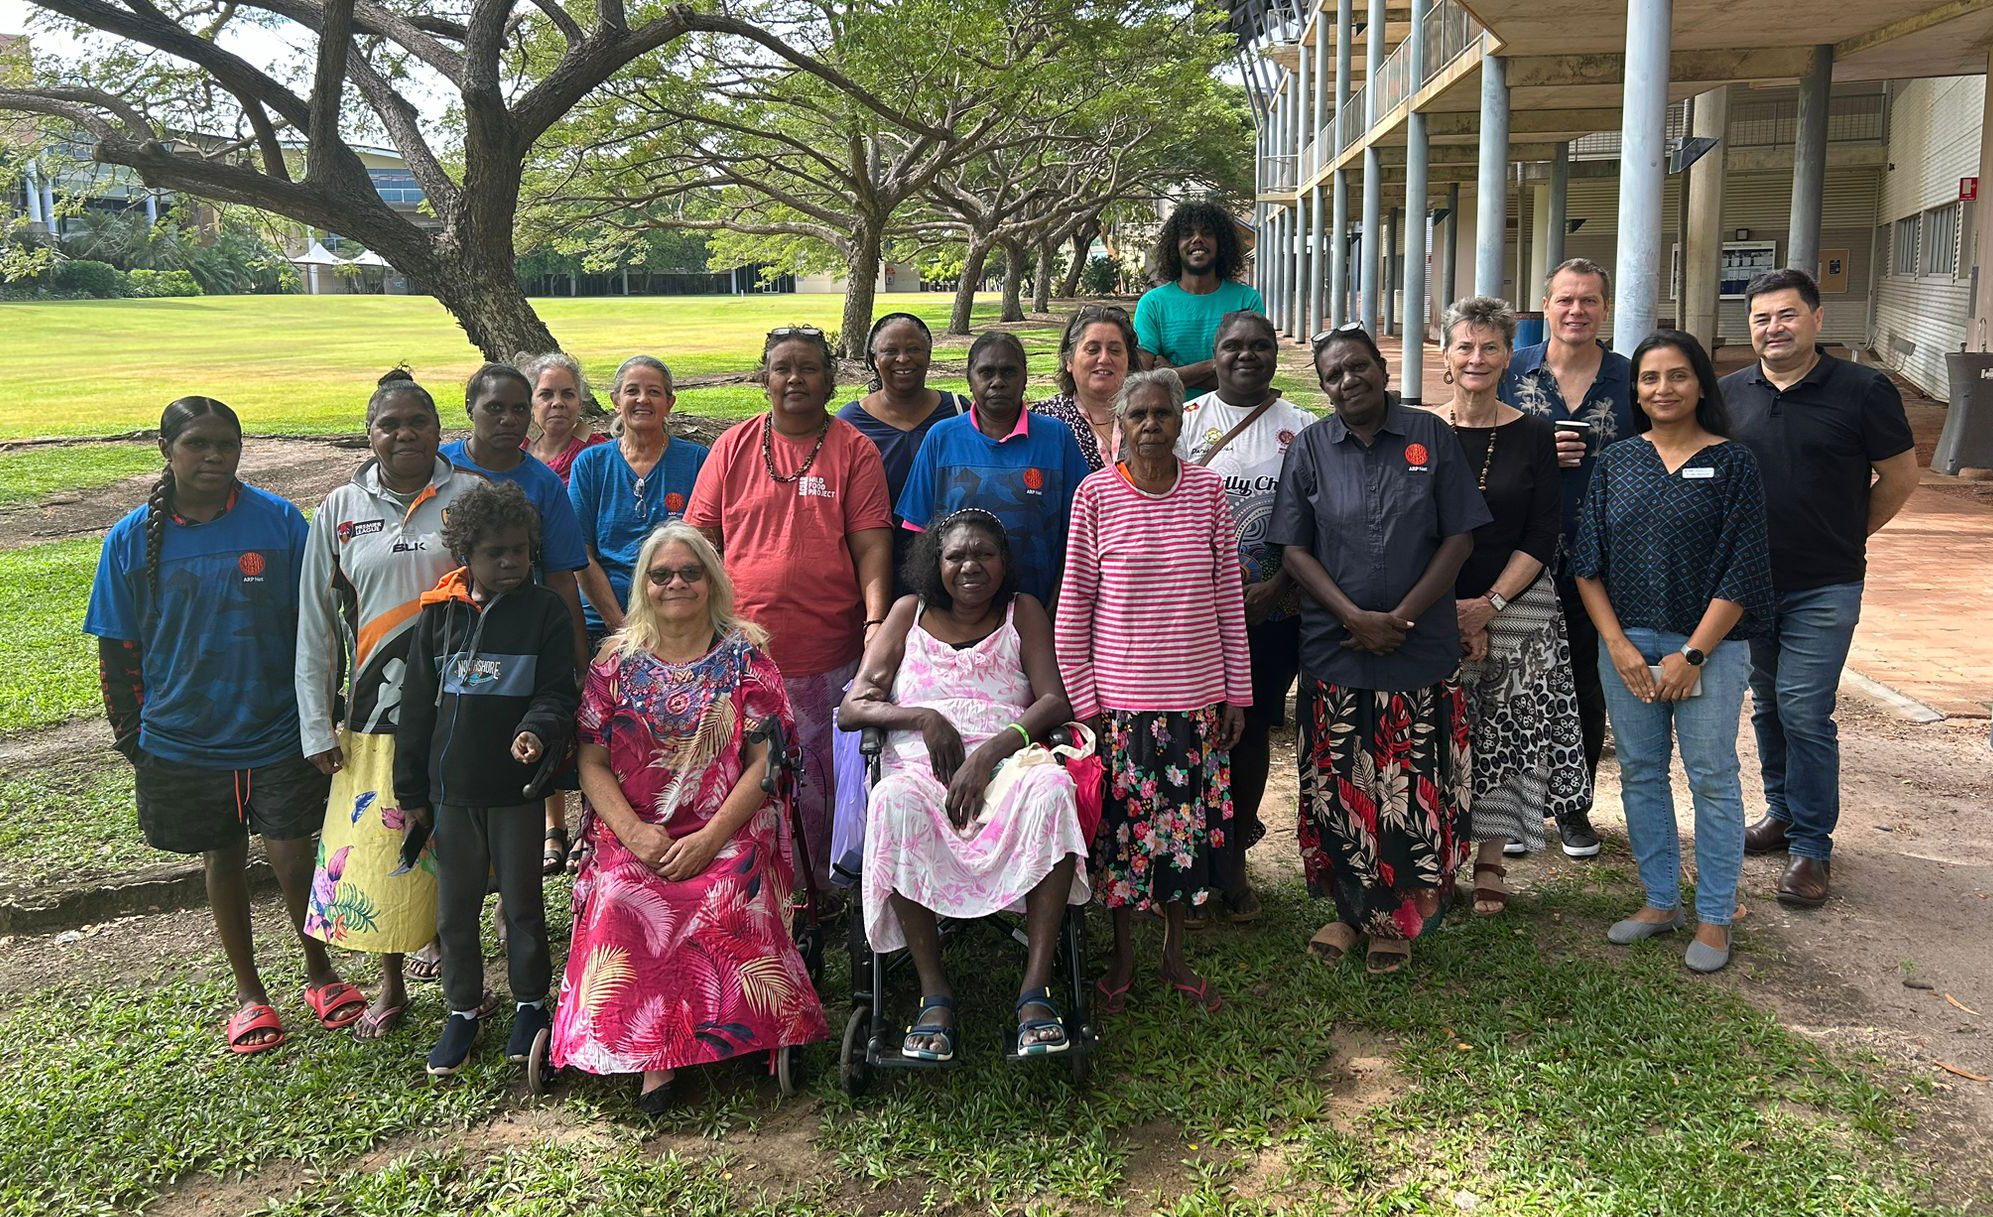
pixel 1934 129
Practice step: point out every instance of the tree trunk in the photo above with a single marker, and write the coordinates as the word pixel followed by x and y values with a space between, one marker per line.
pixel 965 288
pixel 861 285
pixel 1041 279
pixel 484 295
pixel 1082 241
pixel 1013 281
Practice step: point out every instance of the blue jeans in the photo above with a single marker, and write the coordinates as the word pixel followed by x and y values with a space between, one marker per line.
pixel 1705 727
pixel 1795 673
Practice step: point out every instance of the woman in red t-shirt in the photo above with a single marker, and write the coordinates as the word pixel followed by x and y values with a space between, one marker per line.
pixel 796 502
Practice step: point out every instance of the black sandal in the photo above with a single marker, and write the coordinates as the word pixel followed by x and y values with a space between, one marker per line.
pixel 555 856
pixel 1041 996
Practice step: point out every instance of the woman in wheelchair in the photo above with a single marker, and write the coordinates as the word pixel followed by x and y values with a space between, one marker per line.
pixel 971 816
pixel 681 952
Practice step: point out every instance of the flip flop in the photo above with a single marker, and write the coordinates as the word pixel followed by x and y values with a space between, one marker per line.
pixel 328 1000
pixel 372 1026
pixel 417 967
pixel 1333 941
pixel 1387 955
pixel 1243 912
pixel 253 1017
pixel 1198 995
pixel 1113 999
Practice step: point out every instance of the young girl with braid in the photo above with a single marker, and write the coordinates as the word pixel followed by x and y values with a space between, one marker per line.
pixel 195 607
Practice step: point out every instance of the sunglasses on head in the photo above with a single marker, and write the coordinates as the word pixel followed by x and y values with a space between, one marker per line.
pixel 1347 328
pixel 796 331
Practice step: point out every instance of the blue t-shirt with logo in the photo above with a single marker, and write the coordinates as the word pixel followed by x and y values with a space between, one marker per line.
pixel 561 546
pixel 1026 480
pixel 218 646
pixel 614 519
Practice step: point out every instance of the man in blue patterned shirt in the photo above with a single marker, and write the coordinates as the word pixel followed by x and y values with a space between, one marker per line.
pixel 1573 378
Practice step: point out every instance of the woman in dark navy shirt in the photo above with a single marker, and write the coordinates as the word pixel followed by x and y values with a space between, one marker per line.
pixel 1672 563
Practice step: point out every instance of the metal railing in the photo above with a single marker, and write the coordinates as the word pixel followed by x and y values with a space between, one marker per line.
pixel 1450 32
pixel 1771 122
pixel 1276 174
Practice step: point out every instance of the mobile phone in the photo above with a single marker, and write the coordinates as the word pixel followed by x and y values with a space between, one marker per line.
pixel 1695 690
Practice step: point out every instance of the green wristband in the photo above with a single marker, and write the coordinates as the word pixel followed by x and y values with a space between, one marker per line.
pixel 1019 728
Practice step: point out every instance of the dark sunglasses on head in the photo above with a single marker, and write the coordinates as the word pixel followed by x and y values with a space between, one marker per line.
pixel 796 331
pixel 661 576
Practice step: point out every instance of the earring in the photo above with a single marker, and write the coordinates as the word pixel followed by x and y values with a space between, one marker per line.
pixel 1446 376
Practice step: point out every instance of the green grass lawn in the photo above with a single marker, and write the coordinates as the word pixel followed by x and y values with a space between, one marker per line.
pixel 28 475
pixel 51 669
pixel 1521 1061
pixel 70 826
pixel 305 364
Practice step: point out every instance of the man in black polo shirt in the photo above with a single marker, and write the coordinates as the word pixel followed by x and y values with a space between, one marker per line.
pixel 1835 452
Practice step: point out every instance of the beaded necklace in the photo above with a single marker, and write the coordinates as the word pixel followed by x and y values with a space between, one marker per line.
pixel 1488 460
pixel 768 449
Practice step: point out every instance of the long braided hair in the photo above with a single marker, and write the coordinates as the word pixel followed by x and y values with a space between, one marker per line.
pixel 159 504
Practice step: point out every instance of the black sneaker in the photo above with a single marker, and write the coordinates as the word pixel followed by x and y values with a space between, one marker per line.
pixel 454 1046
pixel 1579 839
pixel 527 1023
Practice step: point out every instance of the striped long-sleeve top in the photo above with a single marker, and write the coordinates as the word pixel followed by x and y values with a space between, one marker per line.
pixel 1151 614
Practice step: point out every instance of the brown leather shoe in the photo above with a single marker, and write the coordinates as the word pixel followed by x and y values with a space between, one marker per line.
pixel 1805 882
pixel 1767 836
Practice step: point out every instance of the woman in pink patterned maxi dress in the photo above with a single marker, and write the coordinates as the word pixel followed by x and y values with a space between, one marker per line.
pixel 968 818
pixel 681 952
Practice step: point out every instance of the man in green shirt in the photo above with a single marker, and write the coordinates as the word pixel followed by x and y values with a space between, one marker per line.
pixel 1197 256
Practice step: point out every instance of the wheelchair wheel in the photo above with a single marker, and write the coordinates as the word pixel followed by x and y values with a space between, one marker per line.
pixel 539 1063
pixel 854 1073
pixel 785 1069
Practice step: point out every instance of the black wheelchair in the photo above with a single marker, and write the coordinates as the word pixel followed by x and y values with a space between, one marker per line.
pixel 872 1042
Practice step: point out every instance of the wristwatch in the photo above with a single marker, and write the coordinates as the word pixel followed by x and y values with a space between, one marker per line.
pixel 1498 600
pixel 1694 656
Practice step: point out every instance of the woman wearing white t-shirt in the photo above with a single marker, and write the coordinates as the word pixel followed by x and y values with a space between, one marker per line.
pixel 1241 431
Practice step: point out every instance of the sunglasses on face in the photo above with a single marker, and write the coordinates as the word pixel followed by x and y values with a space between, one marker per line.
pixel 661 576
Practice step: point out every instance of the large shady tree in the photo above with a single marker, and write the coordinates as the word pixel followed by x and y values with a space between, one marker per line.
pixel 284 138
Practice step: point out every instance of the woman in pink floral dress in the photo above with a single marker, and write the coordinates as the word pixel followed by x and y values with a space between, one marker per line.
pixel 970 818
pixel 681 952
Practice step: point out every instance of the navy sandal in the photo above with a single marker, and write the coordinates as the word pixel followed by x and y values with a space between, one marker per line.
pixel 930 1029
pixel 1041 996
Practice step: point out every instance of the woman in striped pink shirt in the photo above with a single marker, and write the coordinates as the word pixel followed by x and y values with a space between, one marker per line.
pixel 1151 636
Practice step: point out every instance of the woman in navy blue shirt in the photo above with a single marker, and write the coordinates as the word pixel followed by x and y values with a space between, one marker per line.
pixel 1672 563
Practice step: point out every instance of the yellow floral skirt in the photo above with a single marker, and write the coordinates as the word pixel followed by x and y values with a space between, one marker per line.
pixel 362 898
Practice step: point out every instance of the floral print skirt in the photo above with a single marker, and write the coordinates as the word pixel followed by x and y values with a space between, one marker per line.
pixel 1168 807
pixel 1385 796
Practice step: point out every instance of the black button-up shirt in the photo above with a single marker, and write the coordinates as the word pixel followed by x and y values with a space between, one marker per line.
pixel 1373 516
pixel 1666 544
pixel 1816 443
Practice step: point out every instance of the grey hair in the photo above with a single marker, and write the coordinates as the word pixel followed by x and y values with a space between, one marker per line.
pixel 640 361
pixel 536 366
pixel 1482 311
pixel 1165 378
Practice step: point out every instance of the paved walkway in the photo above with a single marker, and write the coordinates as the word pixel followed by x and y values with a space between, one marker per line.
pixel 1927 616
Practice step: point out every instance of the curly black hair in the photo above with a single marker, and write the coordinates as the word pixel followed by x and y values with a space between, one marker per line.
pixel 922 571
pixel 485 509
pixel 1213 219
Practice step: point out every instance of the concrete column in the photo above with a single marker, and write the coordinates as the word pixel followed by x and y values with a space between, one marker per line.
pixel 1539 245
pixel 1980 338
pixel 32 189
pixel 1491 187
pixel 151 210
pixel 1298 309
pixel 1413 326
pixel 1373 238
pixel 1449 268
pixel 1325 146
pixel 1809 164
pixel 1345 47
pixel 1643 140
pixel 1338 243
pixel 1521 268
pixel 1388 271
pixel 48 206
pixel 1560 207
pixel 1702 261
pixel 1302 87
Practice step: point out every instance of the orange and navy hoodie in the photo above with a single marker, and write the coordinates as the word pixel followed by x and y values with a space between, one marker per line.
pixel 479 673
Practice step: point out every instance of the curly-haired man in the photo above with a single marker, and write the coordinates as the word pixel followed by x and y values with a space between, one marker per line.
pixel 1198 256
